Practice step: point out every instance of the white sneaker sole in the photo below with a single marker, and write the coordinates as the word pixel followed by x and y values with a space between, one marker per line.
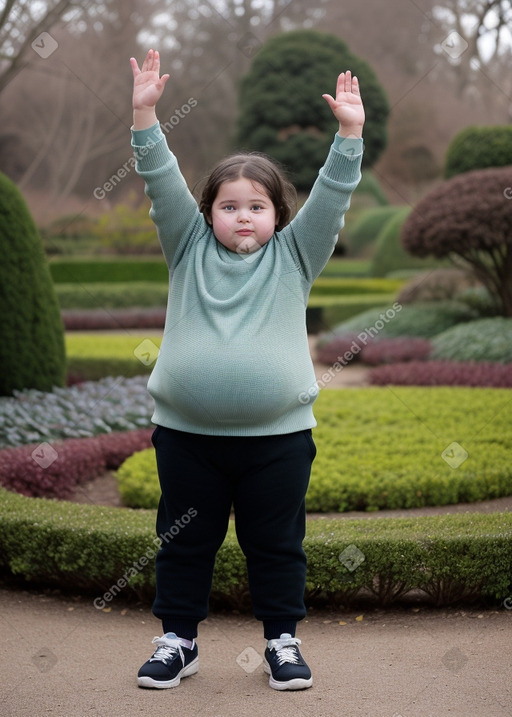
pixel 190 669
pixel 298 683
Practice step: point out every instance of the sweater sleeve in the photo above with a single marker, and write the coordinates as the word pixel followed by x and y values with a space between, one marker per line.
pixel 312 235
pixel 173 208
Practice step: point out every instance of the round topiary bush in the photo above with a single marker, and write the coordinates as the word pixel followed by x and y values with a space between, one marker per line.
pixel 299 133
pixel 368 226
pixel 479 148
pixel 32 353
pixel 390 255
pixel 481 340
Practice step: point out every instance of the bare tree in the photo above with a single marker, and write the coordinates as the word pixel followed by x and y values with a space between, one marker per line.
pixel 477 39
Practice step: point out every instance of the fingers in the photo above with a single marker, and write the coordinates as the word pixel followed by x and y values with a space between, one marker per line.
pixel 330 101
pixel 134 66
pixel 347 83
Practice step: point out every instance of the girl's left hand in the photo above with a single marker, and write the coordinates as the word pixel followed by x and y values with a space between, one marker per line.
pixel 347 107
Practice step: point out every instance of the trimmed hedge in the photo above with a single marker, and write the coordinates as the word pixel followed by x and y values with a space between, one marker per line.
pixel 109 269
pixel 443 373
pixel 345 286
pixel 105 551
pixel 113 319
pixel 91 357
pixel 482 340
pixel 378 449
pixel 110 295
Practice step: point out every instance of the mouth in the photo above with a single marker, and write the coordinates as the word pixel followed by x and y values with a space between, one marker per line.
pixel 244 232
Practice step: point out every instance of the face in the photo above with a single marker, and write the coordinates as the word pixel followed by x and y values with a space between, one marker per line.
pixel 243 216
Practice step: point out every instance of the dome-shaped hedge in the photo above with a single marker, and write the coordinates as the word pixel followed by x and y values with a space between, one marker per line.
pixel 32 353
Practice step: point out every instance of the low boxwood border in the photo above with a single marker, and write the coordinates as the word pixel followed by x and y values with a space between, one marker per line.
pixel 105 551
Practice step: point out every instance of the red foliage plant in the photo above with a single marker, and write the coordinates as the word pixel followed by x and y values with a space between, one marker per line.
pixel 349 347
pixel 469 219
pixel 443 373
pixel 54 471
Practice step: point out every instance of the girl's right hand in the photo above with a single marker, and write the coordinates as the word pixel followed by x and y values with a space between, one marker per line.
pixel 147 83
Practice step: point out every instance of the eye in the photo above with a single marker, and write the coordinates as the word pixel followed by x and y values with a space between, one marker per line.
pixel 228 208
pixel 256 207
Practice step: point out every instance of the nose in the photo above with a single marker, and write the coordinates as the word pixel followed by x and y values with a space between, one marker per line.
pixel 243 215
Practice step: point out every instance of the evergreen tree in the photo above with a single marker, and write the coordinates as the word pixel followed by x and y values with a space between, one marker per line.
pixel 281 109
pixel 32 353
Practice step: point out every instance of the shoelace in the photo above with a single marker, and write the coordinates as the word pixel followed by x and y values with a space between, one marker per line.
pixel 287 654
pixel 286 650
pixel 166 650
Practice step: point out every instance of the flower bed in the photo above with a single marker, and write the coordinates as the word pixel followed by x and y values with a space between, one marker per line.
pixel 54 470
pixel 112 404
pixel 443 373
pixel 376 449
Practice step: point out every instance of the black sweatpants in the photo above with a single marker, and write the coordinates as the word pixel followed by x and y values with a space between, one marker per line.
pixel 265 478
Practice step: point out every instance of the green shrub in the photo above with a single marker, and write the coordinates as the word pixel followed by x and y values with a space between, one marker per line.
pixel 91 357
pixel 481 300
pixel 436 285
pixel 376 453
pixel 31 331
pixel 424 320
pixel 389 254
pixel 479 148
pixel 481 340
pixel 108 269
pixel 137 480
pixel 368 226
pixel 107 551
pixel 126 229
pixel 103 295
pixel 370 187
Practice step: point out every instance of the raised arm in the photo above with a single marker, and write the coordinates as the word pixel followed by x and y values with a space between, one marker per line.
pixel 173 208
pixel 313 233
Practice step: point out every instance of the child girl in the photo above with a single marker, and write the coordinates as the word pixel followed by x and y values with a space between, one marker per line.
pixel 231 429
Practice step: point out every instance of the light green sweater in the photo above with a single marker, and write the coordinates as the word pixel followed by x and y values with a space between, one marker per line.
pixel 234 358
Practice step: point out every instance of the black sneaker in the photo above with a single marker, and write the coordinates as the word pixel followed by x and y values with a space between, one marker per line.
pixel 170 662
pixel 285 664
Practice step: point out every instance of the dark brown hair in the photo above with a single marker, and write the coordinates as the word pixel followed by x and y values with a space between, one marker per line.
pixel 258 168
